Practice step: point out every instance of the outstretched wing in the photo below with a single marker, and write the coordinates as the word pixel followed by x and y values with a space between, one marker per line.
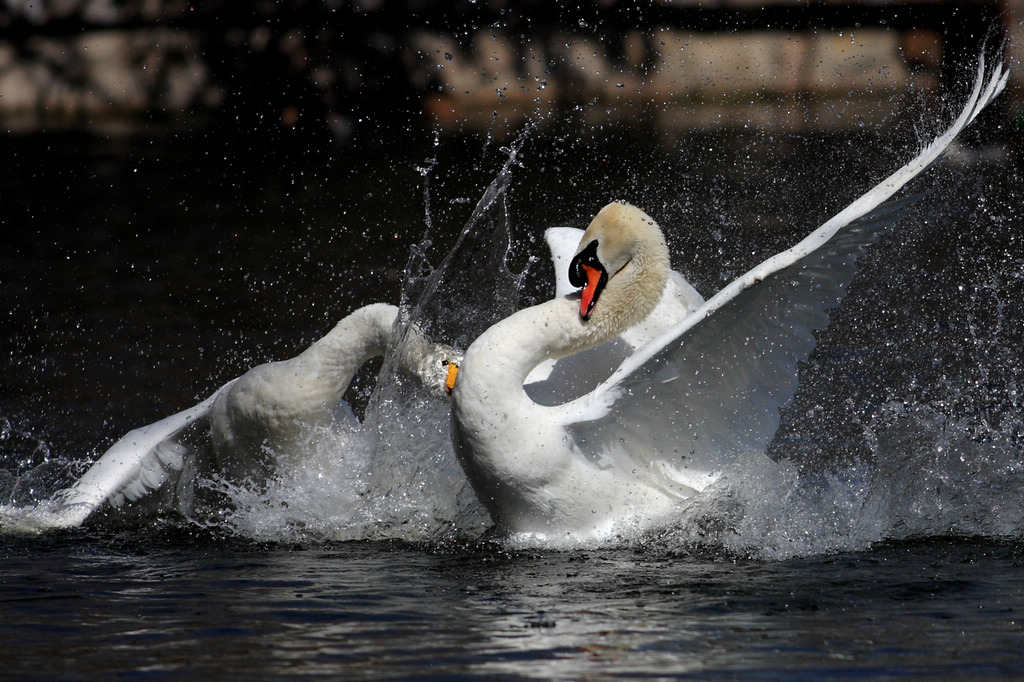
pixel 136 465
pixel 715 391
pixel 710 388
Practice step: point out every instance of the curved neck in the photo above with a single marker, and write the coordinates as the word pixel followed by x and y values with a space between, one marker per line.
pixel 368 333
pixel 363 335
pixel 504 355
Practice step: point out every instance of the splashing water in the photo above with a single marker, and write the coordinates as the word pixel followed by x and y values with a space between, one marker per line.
pixel 929 476
pixel 946 458
pixel 908 421
pixel 397 475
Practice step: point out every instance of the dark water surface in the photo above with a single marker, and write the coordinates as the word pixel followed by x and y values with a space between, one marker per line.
pixel 93 607
pixel 138 274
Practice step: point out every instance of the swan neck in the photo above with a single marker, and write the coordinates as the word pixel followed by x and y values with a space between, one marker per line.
pixel 361 336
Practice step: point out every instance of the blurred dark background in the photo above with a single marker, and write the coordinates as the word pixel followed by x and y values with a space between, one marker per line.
pixel 319 72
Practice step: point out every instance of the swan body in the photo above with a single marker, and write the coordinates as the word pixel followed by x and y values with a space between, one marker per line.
pixel 703 391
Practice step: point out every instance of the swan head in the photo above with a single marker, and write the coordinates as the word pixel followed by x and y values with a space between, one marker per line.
pixel 620 266
pixel 434 365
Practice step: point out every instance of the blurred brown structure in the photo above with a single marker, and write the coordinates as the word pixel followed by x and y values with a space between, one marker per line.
pixel 321 66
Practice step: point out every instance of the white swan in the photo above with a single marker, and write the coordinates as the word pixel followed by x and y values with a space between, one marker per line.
pixel 267 410
pixel 703 392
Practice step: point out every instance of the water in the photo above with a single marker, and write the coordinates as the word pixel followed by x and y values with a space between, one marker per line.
pixel 88 606
pixel 883 539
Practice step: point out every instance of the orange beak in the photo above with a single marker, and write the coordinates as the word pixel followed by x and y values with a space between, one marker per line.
pixel 587 273
pixel 589 293
pixel 449 381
